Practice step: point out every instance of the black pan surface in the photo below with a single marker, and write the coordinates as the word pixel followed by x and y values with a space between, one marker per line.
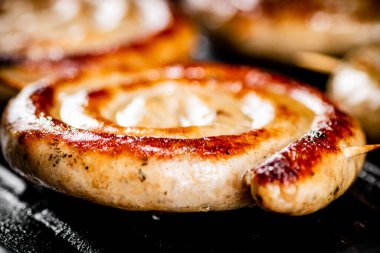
pixel 34 219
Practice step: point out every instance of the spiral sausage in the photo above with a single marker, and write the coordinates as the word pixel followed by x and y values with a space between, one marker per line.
pixel 280 30
pixel 67 36
pixel 184 138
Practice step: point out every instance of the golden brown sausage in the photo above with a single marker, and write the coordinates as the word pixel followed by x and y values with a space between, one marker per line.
pixel 95 36
pixel 184 138
pixel 279 30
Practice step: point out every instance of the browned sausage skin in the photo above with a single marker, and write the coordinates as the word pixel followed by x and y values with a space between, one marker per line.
pixel 231 129
pixel 312 171
pixel 170 39
pixel 283 30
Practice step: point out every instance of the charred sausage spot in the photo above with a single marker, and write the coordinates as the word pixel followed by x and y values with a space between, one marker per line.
pixel 336 190
pixel 22 138
pixel 144 161
pixel 222 113
pixel 142 175
pixel 317 134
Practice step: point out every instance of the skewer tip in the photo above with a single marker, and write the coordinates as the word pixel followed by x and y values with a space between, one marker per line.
pixel 316 61
pixel 359 150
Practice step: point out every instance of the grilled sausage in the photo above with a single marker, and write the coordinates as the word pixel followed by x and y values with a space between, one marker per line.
pixel 184 138
pixel 67 36
pixel 279 30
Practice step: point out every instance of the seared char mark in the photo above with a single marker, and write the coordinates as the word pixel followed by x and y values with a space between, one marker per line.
pixel 299 158
pixel 213 147
pixel 42 99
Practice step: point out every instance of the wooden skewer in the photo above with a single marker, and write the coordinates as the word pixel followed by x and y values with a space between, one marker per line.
pixel 359 150
pixel 327 64
pixel 316 61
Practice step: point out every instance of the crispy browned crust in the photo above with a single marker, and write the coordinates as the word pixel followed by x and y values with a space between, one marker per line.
pixel 214 147
pixel 316 159
pixel 298 159
pixel 176 43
